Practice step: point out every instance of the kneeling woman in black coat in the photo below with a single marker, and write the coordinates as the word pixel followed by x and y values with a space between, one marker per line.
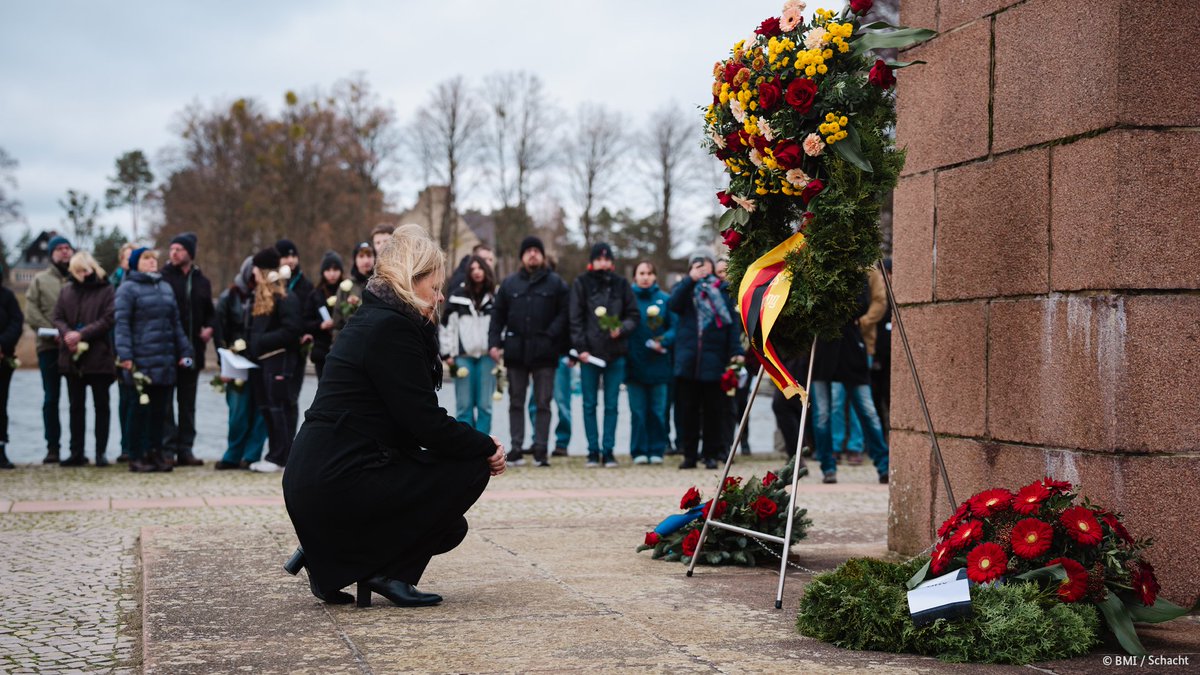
pixel 380 475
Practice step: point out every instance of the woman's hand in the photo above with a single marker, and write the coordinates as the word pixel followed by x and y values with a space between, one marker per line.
pixel 72 339
pixel 127 364
pixel 327 325
pixel 497 462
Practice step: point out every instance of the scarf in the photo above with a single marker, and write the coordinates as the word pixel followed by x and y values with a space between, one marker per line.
pixel 710 303
pixel 383 290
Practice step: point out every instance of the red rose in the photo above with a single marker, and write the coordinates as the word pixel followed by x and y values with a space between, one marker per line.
pixel 986 562
pixel 733 238
pixel 881 75
pixel 861 6
pixel 652 538
pixel 1081 525
pixel 690 498
pixel 690 542
pixel 812 190
pixel 789 154
pixel 768 96
pixel 758 142
pixel 1075 585
pixel 1144 583
pixel 764 507
pixel 729 381
pixel 800 94
pixel 990 502
pixel 734 142
pixel 1031 538
pixel 722 506
pixel 731 70
pixel 769 27
pixel 726 200
pixel 731 483
pixel 769 478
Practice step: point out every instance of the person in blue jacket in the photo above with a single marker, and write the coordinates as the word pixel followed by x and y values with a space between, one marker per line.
pixel 649 373
pixel 707 340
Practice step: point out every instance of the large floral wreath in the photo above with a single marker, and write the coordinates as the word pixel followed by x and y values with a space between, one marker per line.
pixel 802 117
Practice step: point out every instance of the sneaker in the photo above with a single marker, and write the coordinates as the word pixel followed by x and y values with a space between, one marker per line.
pixel 829 477
pixel 559 452
pixel 654 459
pixel 543 462
pixel 51 456
pixel 641 459
pixel 591 464
pixel 222 465
pixel 514 459
pixel 265 466
pixel 610 463
pixel 854 458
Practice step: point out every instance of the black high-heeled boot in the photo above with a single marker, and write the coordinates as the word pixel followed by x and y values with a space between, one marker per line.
pixel 4 463
pixel 400 593
pixel 296 562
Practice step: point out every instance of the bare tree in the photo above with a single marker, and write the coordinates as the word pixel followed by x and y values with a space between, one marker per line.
pixel 595 145
pixel 82 211
pixel 370 147
pixel 446 130
pixel 670 157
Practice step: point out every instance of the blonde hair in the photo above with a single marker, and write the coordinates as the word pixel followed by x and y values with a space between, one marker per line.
pixel 408 258
pixel 83 261
pixel 265 292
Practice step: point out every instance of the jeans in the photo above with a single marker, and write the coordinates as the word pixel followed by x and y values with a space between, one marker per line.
pixel 859 398
pixel 473 393
pixel 247 426
pixel 77 387
pixel 543 391
pixel 648 418
pixel 181 432
pixel 590 376
pixel 51 391
pixel 840 423
pixel 146 421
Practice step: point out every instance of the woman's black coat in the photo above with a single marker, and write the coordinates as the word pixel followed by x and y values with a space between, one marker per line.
pixel 379 469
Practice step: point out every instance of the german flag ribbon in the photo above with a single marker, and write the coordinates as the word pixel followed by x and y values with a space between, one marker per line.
pixel 761 297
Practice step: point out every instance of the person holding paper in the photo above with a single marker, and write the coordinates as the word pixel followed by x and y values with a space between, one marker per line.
pixel 464 344
pixel 603 314
pixel 381 475
pixel 40 299
pixel 151 347
pixel 247 427
pixel 322 318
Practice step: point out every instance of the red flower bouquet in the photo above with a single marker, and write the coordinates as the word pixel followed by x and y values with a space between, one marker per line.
pixel 1040 534
pixel 755 504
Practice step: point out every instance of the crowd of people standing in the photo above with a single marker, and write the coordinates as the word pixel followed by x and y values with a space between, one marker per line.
pixel 148 325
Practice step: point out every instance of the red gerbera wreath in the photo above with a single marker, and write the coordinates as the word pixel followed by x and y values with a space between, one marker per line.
pixel 990 502
pixel 1031 538
pixel 1144 582
pixel 986 562
pixel 1029 498
pixel 1075 585
pixel 1082 525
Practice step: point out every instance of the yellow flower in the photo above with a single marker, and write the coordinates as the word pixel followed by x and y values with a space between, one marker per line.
pixel 810 71
pixel 843 121
pixel 822 69
pixel 827 54
pixel 829 117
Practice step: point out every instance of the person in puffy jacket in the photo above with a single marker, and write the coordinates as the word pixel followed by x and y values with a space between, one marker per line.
pixel 273 329
pixel 84 316
pixel 464 345
pixel 247 428
pixel 11 320
pixel 707 339
pixel 151 341
pixel 648 372
pixel 599 297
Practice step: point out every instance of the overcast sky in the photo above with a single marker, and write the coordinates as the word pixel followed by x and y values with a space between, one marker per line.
pixel 85 81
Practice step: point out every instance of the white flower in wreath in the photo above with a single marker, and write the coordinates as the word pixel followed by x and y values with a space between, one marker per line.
pixel 346 286
pixel 797 178
pixel 739 113
pixel 653 311
pixel 601 311
pixel 767 132
pixel 756 157
pixel 814 38
pixel 718 140
pixel 747 204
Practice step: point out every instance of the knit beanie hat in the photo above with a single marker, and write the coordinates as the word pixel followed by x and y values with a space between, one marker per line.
pixel 601 250
pixel 188 241
pixel 56 241
pixel 267 259
pixel 286 247
pixel 331 261
pixel 134 255
pixel 531 242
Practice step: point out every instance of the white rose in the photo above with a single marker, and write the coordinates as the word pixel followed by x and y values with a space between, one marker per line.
pixel 239 345
pixel 601 311
pixel 652 310
pixel 346 285
pixel 496 396
pixel 462 372
pixel 273 276
pixel 144 399
pixel 285 272
pixel 81 347
pixel 239 383
pixel 331 300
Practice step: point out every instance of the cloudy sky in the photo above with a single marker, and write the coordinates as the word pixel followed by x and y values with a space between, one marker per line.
pixel 85 81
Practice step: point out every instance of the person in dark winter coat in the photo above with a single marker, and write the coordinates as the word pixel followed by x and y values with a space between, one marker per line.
pixel 844 360
pixel 126 394
pixel 150 340
pixel 193 293
pixel 529 324
pixel 273 329
pixel 706 341
pixel 84 317
pixel 11 320
pixel 464 345
pixel 247 427
pixel 40 297
pixel 598 296
pixel 649 372
pixel 380 475
pixel 302 288
pixel 324 297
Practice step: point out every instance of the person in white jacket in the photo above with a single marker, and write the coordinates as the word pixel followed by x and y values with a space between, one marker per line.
pixel 464 338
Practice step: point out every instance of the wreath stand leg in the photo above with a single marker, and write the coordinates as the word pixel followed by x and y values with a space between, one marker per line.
pixel 791 510
pixel 912 366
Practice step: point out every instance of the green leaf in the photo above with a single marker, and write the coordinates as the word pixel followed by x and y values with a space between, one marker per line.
pixel 739 557
pixel 741 216
pixel 741 542
pixel 896 65
pixel 919 576
pixel 1160 611
pixel 897 39
pixel 726 219
pixel 1050 573
pixel 1117 617
pixel 850 149
pixel 713 557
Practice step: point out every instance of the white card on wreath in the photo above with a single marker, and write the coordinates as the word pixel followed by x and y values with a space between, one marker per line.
pixel 947 596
